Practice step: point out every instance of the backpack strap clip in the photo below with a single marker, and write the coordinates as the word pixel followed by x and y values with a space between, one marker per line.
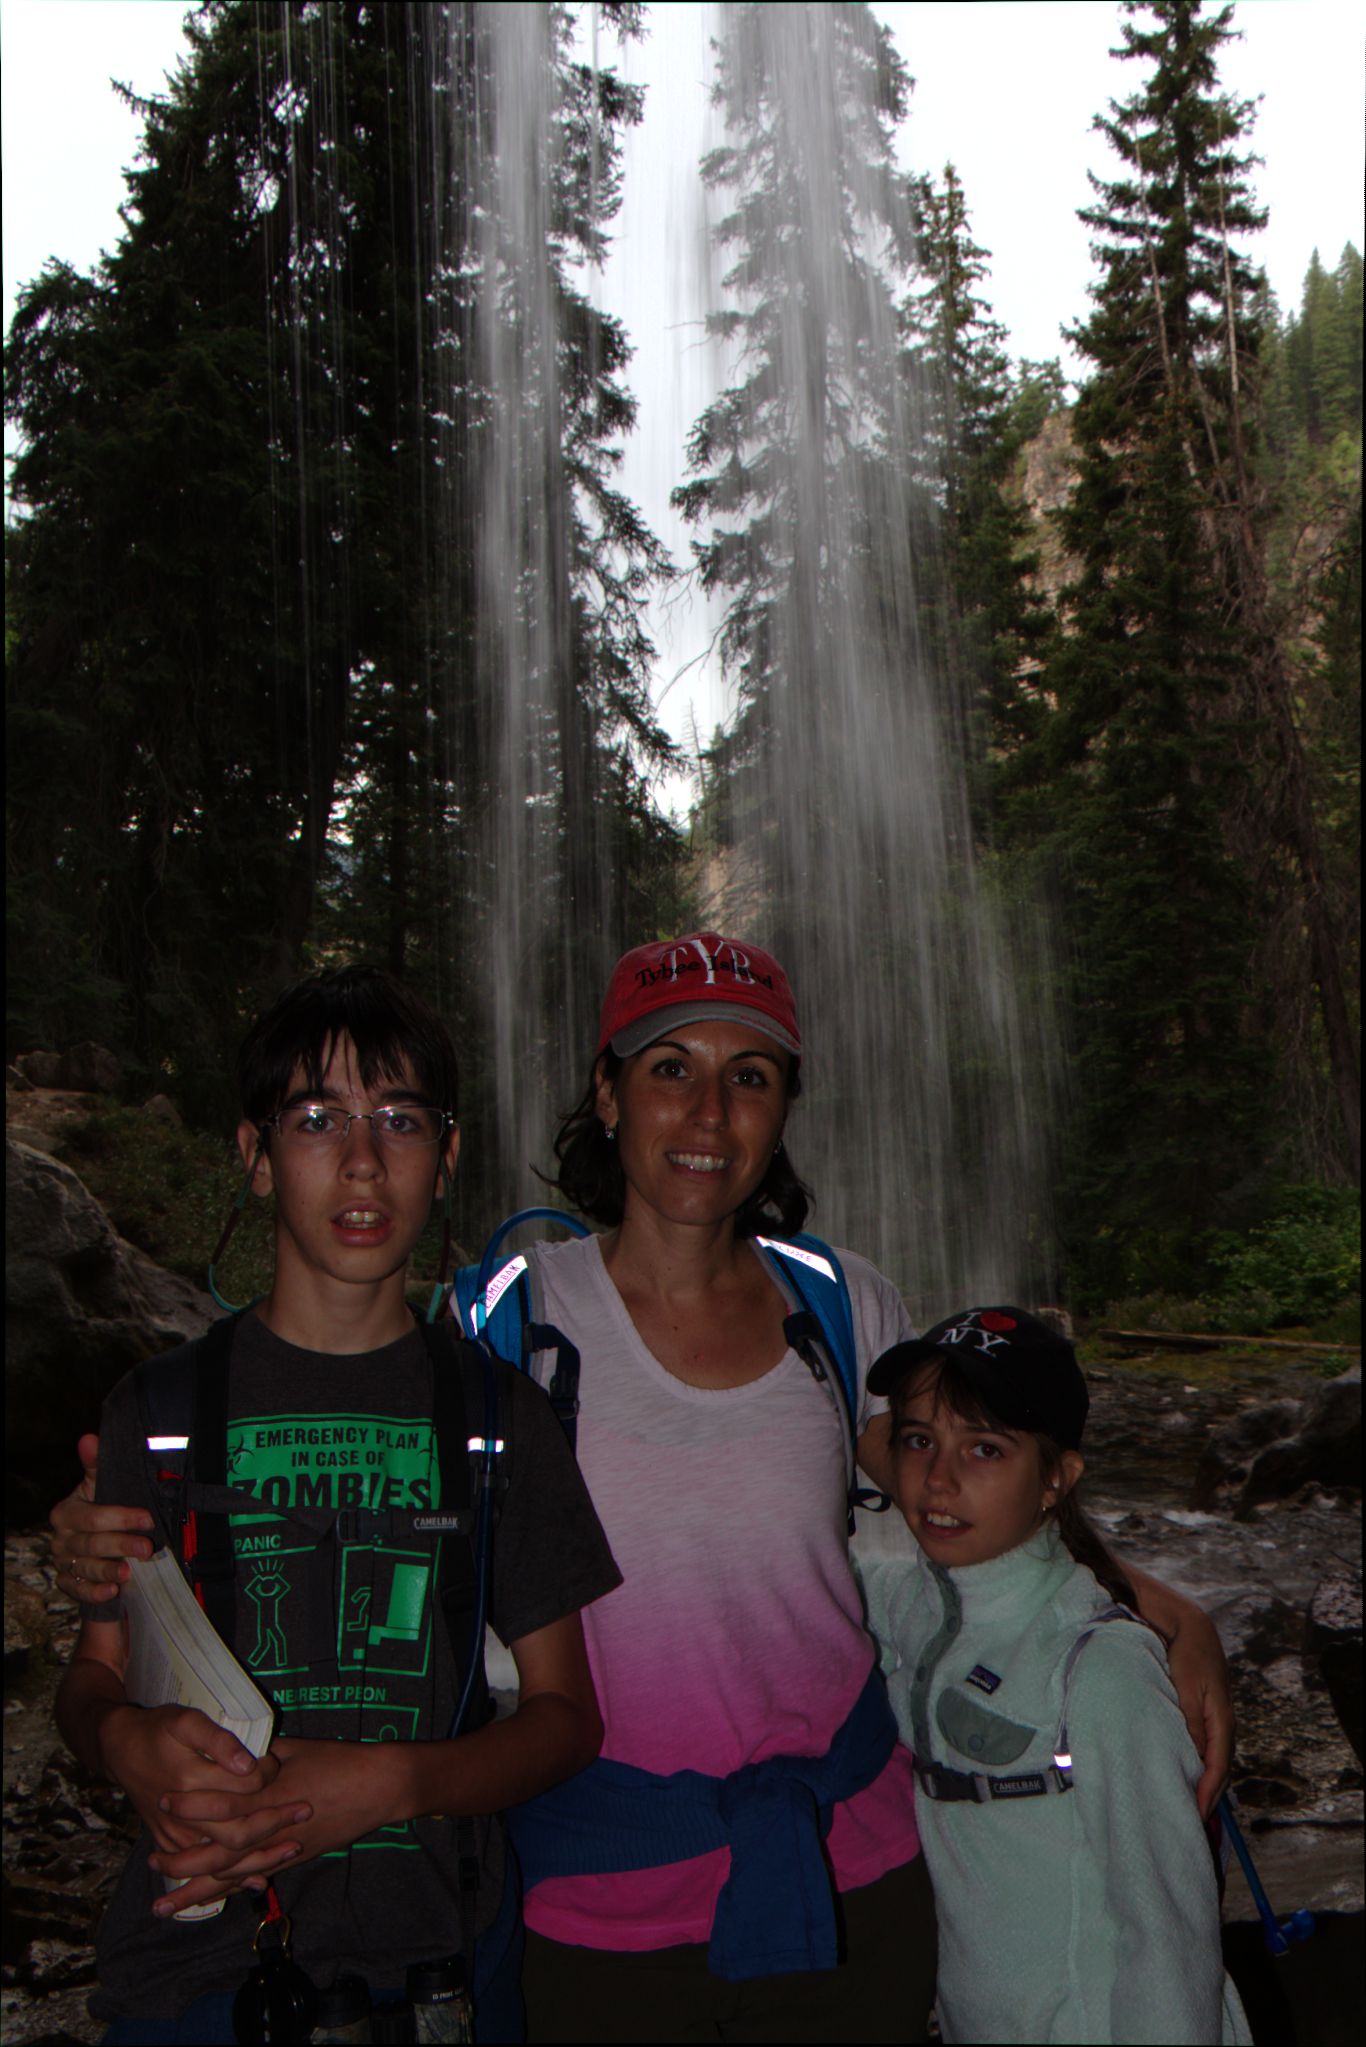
pixel 563 1384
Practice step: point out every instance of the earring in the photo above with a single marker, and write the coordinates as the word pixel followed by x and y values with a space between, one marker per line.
pixel 610 1130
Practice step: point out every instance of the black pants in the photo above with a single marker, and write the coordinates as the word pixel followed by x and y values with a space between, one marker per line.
pixel 882 1989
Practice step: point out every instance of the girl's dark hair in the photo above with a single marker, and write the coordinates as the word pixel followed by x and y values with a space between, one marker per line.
pixel 389 1025
pixel 953 1390
pixel 590 1176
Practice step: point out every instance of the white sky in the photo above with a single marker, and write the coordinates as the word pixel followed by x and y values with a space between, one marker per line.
pixel 1006 89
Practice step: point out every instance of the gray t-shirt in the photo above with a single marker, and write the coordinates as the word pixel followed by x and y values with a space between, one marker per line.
pixel 346 1640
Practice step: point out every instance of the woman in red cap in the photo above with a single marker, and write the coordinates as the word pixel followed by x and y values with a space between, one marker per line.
pixel 732 1665
pixel 741 1863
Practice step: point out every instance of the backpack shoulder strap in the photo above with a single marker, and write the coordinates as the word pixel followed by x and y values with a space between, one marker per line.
pixel 183 1401
pixel 1062 1753
pixel 465 1411
pixel 507 1312
pixel 808 1271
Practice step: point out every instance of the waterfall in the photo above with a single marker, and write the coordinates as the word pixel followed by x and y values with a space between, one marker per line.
pixel 836 803
pixel 846 840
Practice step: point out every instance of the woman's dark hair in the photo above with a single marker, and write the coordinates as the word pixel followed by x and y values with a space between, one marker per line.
pixel 953 1390
pixel 590 1176
pixel 390 1027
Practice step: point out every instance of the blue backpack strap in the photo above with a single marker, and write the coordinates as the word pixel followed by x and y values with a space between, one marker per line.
pixel 499 1304
pixel 808 1270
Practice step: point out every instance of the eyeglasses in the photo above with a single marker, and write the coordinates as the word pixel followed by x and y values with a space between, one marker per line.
pixel 403 1126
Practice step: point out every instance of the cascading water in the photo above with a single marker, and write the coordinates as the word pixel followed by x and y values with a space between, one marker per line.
pixel 845 842
pixel 536 876
pixel 846 839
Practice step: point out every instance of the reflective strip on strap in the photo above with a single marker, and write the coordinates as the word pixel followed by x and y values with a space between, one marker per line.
pixel 494 1291
pixel 802 1256
pixel 168 1442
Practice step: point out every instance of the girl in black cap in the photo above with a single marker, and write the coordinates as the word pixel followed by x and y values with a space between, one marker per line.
pixel 1075 1889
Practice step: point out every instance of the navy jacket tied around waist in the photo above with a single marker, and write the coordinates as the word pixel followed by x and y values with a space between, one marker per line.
pixel 775 1912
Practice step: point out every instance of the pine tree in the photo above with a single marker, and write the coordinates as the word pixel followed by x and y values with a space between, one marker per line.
pixel 1144 753
pixel 250 687
pixel 977 417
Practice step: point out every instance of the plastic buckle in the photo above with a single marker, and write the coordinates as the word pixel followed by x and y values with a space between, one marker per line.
pixel 363 1524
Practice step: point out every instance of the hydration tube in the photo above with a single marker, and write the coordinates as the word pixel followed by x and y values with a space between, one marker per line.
pixel 489 1444
pixel 1277 1934
pixel 505 1229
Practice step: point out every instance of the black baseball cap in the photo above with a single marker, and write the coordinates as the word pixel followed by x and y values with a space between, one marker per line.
pixel 1022 1370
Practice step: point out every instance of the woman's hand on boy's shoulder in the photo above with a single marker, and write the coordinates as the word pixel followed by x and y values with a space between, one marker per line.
pixel 91 1545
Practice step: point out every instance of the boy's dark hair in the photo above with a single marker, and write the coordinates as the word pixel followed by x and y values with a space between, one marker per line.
pixel 953 1390
pixel 590 1176
pixel 390 1026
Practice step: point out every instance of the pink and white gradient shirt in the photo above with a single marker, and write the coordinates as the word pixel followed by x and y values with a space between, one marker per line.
pixel 738 1631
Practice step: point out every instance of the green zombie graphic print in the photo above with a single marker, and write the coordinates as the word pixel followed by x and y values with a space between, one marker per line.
pixel 358 1679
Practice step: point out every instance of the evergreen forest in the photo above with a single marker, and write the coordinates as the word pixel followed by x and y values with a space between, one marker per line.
pixel 258 679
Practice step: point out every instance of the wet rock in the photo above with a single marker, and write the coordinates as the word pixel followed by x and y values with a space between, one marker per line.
pixel 1057 1318
pixel 40 1069
pixel 1228 1455
pixel 1332 1647
pixel 1273 1633
pixel 58 1964
pixel 81 1306
pixel 1325 1447
pixel 89 1069
pixel 66 1837
pixel 26 1626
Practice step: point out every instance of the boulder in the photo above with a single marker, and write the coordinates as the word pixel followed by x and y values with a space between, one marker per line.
pixel 1332 1647
pixel 89 1069
pixel 40 1069
pixel 1325 1446
pixel 1228 1455
pixel 81 1306
pixel 17 1081
pixel 161 1109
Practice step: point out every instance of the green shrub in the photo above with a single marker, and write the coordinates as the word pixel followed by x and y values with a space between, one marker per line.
pixel 1168 1313
pixel 170 1190
pixel 1297 1266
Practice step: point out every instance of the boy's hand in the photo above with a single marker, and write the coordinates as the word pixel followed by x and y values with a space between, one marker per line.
pixel 344 1789
pixel 90 1544
pixel 158 1753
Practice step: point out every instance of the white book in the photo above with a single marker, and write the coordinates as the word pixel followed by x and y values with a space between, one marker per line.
pixel 176 1658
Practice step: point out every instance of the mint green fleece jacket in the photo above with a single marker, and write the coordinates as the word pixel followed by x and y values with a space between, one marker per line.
pixel 1091 1916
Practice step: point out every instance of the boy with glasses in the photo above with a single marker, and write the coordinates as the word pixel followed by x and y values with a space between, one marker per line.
pixel 379 1834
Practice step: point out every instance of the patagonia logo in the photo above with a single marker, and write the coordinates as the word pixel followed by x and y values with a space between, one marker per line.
pixel 1017 1787
pixel 984 1679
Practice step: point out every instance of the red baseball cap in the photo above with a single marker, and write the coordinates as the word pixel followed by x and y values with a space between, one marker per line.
pixel 700 978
